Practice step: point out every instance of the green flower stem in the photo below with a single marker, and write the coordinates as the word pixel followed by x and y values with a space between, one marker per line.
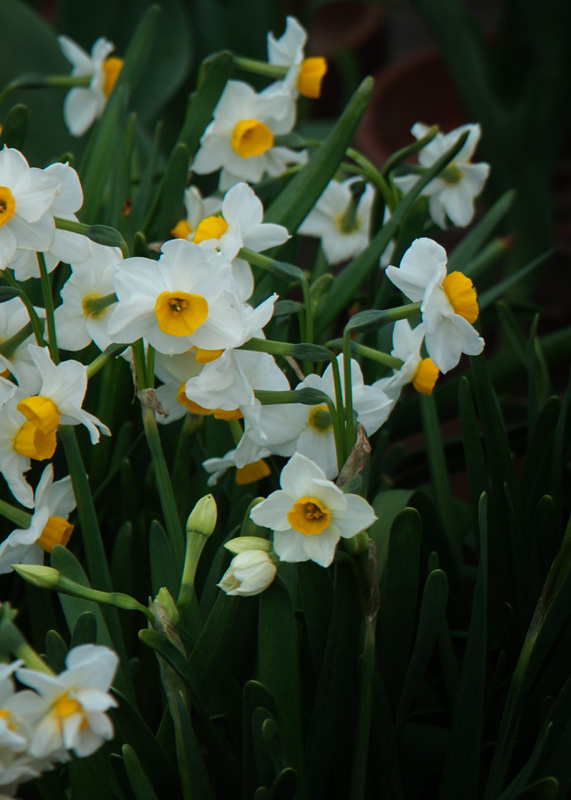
pixel 166 494
pixel 369 352
pixel 349 421
pixel 364 711
pixel 373 319
pixel 282 269
pixel 236 430
pixel 260 67
pixel 49 306
pixel 98 363
pixel 44 81
pixel 406 152
pixel 150 375
pixel 35 321
pixel 15 515
pixel 8 346
pixel 138 350
pixel 101 234
pixel 369 171
pixel 338 418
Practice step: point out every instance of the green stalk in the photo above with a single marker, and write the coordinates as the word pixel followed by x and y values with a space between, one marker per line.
pixel 369 352
pixel 15 515
pixel 9 346
pixel 338 417
pixel 260 67
pixel 44 81
pixel 369 171
pixel 364 712
pixel 34 319
pixel 349 421
pixel 49 306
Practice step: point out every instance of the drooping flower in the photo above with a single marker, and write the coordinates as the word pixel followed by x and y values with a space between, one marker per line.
pixel 448 302
pixel 341 219
pixel 26 198
pixel 240 140
pixel 309 514
pixel 49 525
pixel 84 104
pixel 74 703
pixel 451 195
pixel 304 75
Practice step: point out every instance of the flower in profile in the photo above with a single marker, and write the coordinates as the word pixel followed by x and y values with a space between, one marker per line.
pixel 73 703
pixel 247 459
pixel 197 208
pixel 451 195
pixel 26 197
pixel 304 75
pixel 252 570
pixel 49 525
pixel 84 104
pixel 421 372
pixel 240 140
pixel 341 219
pixel 448 302
pixel 309 514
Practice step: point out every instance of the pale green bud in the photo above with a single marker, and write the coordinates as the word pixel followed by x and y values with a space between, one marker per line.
pixel 44 577
pixel 243 543
pixel 202 518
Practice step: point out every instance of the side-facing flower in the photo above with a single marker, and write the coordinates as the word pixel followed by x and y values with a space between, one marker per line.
pixel 48 526
pixel 304 75
pixel 84 104
pixel 309 514
pixel 251 570
pixel 421 372
pixel 451 195
pixel 74 702
pixel 448 302
pixel 26 198
pixel 341 219
pixel 240 140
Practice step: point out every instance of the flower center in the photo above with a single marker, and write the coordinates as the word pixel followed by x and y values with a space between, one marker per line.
pixel 8 719
pixel 310 76
pixel 57 531
pixel 180 313
pixel 182 229
pixel 41 412
pixel 320 418
pixel 452 175
pixel 425 376
pixel 462 295
pixel 111 68
pixel 210 228
pixel 96 305
pixel 252 472
pixel 309 516
pixel 251 138
pixel 7 205
pixel 32 443
pixel 65 706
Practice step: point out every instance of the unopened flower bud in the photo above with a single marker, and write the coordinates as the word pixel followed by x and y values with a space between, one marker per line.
pixel 249 573
pixel 44 577
pixel 243 543
pixel 203 516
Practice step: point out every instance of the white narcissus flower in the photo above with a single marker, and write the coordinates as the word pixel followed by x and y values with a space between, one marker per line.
pixel 14 317
pixel 183 300
pixel 309 514
pixel 48 526
pixel 421 372
pixel 304 75
pixel 66 246
pixel 83 315
pixel 60 396
pixel 448 302
pixel 84 104
pixel 197 208
pixel 341 220
pixel 73 703
pixel 451 195
pixel 26 198
pixel 240 140
pixel 250 572
pixel 247 459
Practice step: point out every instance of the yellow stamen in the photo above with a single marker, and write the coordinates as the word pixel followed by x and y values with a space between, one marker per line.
pixel 7 205
pixel 111 68
pixel 180 313
pixel 65 706
pixel 7 717
pixel 320 418
pixel 218 413
pixel 462 295
pixel 182 229
pixel 425 376
pixel 252 472
pixel 311 77
pixel 251 138
pixel 206 356
pixel 32 443
pixel 309 516
pixel 210 228
pixel 41 412
pixel 57 531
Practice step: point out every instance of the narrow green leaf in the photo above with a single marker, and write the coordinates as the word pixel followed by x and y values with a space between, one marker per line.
pixel 85 630
pixel 191 767
pixel 164 571
pixel 273 743
pixel 387 505
pixel 14 127
pixel 214 74
pixel 265 770
pixel 138 780
pixel 316 590
pixel 472 443
pixel 255 697
pixel 284 786
pixel 502 287
pixel 171 193
pixel 513 331
pixel 477 237
pixel 56 651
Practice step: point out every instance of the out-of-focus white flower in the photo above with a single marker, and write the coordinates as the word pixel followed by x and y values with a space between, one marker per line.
pixel 183 300
pixel 66 246
pixel 83 316
pixel 13 318
pixel 247 459
pixel 250 572
pixel 421 372
pixel 197 208
pixel 73 703
pixel 309 514
pixel 84 104
pixel 341 219
pixel 449 303
pixel 48 526
pixel 451 195
pixel 26 198
pixel 304 75
pixel 60 396
pixel 240 140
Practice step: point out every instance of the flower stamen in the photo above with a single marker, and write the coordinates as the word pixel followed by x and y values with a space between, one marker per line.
pixel 251 138
pixel 309 516
pixel 7 205
pixel 180 313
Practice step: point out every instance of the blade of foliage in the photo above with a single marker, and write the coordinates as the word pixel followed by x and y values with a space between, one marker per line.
pixel 255 698
pixel 138 780
pixel 477 237
pixel 14 127
pixel 214 74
